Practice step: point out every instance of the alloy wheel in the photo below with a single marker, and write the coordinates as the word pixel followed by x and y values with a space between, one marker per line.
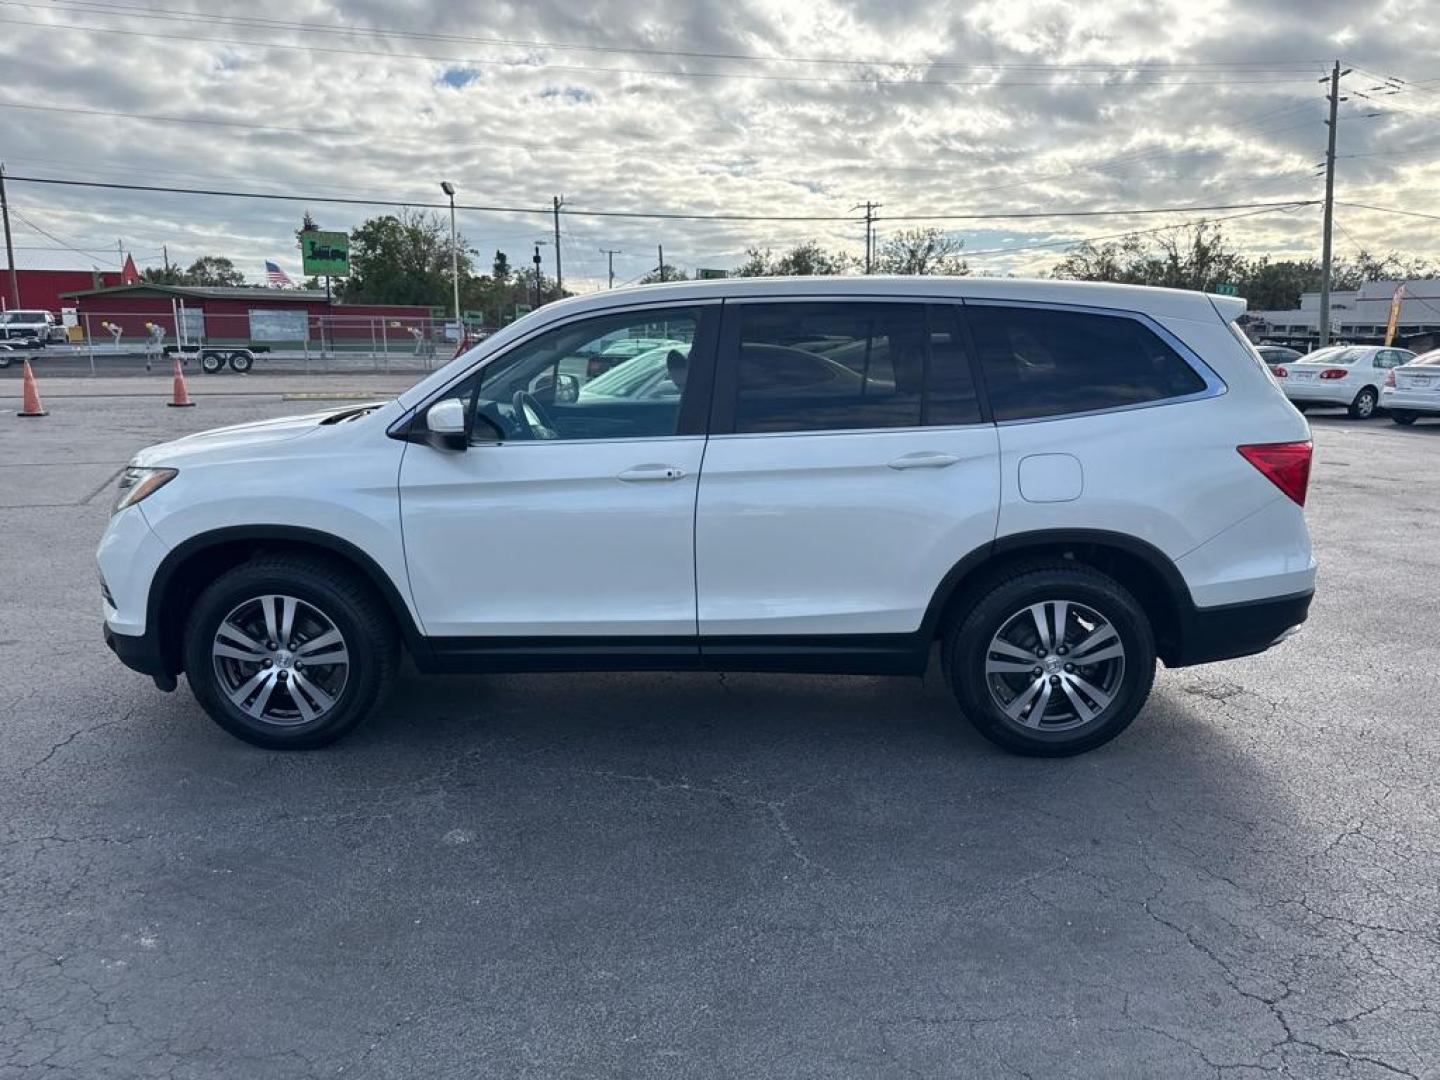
pixel 1054 666
pixel 280 660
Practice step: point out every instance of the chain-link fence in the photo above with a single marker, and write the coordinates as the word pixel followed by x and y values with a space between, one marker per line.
pixel 274 341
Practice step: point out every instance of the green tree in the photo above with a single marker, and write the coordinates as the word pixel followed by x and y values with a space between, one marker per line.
pixel 805 259
pixel 163 275
pixel 672 273
pixel 1191 257
pixel 921 251
pixel 212 270
pixel 307 224
pixel 403 258
pixel 1276 286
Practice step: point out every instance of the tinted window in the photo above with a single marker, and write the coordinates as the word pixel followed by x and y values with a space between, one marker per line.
pixel 1043 362
pixel 847 366
pixel 1388 358
pixel 612 377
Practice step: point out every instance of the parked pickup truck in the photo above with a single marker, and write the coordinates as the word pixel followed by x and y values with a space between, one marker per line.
pixel 27 324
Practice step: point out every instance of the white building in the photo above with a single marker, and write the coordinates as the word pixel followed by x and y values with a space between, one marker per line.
pixel 1357 316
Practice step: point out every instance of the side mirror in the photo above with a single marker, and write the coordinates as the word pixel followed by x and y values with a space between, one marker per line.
pixel 567 389
pixel 555 389
pixel 445 425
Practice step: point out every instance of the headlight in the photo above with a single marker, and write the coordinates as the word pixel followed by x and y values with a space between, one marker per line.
pixel 137 483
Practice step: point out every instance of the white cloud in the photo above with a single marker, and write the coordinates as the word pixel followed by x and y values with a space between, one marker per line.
pixel 1237 118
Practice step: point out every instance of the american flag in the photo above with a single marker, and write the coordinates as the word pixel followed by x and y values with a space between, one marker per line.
pixel 275 276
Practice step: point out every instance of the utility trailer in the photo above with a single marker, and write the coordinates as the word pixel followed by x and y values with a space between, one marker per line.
pixel 214 358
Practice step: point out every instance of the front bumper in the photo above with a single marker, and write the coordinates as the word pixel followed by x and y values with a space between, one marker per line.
pixel 1232 630
pixel 141 653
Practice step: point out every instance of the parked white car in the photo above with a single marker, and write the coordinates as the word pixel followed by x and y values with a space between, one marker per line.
pixel 1412 390
pixel 1059 482
pixel 1347 376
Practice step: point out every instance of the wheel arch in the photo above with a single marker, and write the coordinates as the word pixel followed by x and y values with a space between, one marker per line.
pixel 185 571
pixel 1143 569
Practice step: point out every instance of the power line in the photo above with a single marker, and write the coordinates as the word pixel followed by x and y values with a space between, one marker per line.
pixel 51 236
pixel 663 72
pixel 1031 214
pixel 1355 206
pixel 647 214
pixel 167 119
pixel 99 7
pixel 1078 242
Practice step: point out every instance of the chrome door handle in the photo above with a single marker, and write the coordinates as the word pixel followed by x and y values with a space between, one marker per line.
pixel 924 460
pixel 651 472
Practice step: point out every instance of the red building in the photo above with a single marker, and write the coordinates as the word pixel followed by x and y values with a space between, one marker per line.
pixel 245 314
pixel 43 277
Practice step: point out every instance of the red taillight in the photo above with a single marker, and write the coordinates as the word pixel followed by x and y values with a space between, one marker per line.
pixel 1334 373
pixel 1390 378
pixel 1280 372
pixel 1286 465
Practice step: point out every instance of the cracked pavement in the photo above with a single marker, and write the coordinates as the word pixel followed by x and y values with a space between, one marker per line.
pixel 672 876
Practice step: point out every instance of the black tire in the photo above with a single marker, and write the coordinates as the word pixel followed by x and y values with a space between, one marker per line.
pixel 968 641
pixel 1363 407
pixel 1404 419
pixel 324 587
pixel 240 363
pixel 212 363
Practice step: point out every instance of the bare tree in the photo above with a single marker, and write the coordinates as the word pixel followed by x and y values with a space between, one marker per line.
pixel 921 251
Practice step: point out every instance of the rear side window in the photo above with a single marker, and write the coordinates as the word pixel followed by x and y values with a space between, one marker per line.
pixel 1045 362
pixel 836 366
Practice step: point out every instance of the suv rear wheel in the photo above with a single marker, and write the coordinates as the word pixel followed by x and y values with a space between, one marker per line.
pixel 289 652
pixel 1053 660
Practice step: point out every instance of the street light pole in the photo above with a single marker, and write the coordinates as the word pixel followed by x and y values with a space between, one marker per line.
pixel 449 190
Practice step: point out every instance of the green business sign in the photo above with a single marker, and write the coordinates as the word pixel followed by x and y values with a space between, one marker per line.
pixel 703 274
pixel 1226 288
pixel 325 254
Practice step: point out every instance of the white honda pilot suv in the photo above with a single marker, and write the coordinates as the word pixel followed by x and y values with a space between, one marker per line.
pixel 1056 482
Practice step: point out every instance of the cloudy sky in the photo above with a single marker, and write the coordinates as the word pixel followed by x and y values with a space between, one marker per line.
pixel 770 108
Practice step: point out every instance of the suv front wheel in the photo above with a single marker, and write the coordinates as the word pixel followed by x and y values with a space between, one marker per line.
pixel 1053 660
pixel 289 652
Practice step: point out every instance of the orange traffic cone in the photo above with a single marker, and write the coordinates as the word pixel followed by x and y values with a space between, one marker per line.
pixel 31 405
pixel 180 398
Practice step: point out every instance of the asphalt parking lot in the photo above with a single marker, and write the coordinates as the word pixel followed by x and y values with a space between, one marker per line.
pixel 688 875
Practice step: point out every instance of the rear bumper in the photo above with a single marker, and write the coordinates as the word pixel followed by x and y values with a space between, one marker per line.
pixel 1319 392
pixel 1243 629
pixel 1415 402
pixel 141 653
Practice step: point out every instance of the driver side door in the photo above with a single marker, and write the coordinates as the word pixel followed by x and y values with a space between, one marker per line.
pixel 570 515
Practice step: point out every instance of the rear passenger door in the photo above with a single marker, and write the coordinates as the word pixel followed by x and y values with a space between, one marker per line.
pixel 849 468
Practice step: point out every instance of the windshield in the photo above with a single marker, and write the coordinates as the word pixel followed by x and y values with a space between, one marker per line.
pixel 645 375
pixel 1431 358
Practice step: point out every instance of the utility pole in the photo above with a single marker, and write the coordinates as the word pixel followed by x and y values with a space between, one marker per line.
pixel 165 256
pixel 1329 219
pixel 610 254
pixel 869 208
pixel 559 274
pixel 661 248
pixel 9 247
